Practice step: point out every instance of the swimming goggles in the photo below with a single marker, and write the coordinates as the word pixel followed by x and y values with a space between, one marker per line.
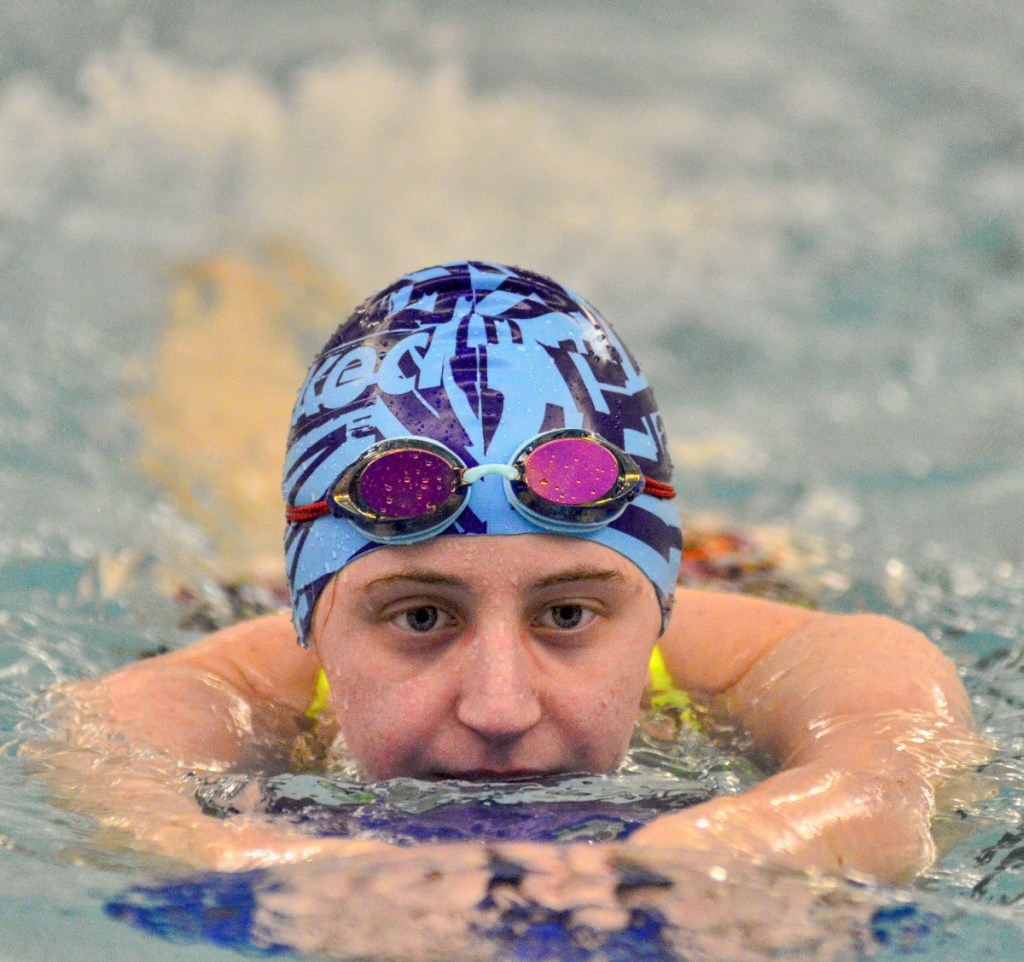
pixel 409 489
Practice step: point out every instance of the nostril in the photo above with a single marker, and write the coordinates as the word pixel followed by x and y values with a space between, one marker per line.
pixel 499 715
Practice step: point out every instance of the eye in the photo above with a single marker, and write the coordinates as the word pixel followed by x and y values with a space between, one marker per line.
pixel 422 618
pixel 566 617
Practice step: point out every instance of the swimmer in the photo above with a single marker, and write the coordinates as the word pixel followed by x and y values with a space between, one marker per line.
pixel 482 549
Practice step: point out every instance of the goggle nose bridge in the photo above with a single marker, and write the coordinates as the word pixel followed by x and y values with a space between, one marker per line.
pixel 507 471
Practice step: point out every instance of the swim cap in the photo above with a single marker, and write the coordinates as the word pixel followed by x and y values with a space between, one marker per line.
pixel 481 358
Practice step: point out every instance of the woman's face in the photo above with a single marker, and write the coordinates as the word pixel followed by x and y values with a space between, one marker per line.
pixel 487 657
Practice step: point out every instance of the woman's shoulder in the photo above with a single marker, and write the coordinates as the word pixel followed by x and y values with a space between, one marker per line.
pixel 259 657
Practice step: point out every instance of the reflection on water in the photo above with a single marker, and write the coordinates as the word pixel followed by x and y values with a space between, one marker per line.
pixel 807 223
pixel 655 777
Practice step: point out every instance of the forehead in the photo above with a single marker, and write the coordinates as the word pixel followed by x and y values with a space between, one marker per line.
pixel 497 562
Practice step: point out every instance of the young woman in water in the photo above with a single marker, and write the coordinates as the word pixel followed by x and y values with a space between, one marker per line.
pixel 482 551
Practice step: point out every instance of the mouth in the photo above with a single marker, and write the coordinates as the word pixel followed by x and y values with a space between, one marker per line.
pixel 494 775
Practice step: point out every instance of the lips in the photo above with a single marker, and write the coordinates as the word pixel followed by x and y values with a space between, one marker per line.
pixel 494 775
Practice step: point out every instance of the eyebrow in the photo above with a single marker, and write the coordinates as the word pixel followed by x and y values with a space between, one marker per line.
pixel 424 576
pixel 429 577
pixel 583 573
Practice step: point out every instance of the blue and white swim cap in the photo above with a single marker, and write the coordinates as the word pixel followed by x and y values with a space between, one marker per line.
pixel 481 358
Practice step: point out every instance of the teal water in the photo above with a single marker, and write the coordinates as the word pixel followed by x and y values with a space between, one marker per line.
pixel 806 218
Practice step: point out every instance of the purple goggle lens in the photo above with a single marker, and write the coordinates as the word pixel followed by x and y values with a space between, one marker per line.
pixel 570 471
pixel 407 483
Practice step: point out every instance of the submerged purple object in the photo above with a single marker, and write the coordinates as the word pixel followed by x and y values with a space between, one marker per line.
pixel 406 484
pixel 571 471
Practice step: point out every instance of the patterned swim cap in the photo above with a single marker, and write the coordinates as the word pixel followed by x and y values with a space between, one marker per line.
pixel 481 358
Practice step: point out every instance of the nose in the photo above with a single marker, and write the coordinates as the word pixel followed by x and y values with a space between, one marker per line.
pixel 498 697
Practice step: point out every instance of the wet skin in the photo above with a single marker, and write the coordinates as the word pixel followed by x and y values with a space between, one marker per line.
pixel 498 657
pixel 487 657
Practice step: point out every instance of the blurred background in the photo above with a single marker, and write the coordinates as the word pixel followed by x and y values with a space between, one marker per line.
pixel 806 218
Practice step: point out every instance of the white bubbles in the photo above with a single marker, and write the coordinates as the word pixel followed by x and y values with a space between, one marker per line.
pixel 893 396
pixel 828 508
pixel 378 166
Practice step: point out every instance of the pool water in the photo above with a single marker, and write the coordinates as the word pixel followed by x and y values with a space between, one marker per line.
pixel 807 219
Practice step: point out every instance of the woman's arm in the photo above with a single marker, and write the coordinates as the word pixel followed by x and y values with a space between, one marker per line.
pixel 862 714
pixel 235 699
pixel 134 745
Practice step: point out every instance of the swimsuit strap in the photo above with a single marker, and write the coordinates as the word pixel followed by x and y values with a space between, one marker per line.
pixel 661 680
pixel 321 692
pixel 664 693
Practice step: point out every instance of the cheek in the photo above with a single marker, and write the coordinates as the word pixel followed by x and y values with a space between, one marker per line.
pixel 385 725
pixel 600 718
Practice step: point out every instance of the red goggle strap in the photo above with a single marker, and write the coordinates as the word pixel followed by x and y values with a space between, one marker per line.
pixel 658 489
pixel 310 512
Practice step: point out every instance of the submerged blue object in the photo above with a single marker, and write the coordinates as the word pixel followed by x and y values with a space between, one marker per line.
pixel 481 358
pixel 486 818
pixel 224 909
